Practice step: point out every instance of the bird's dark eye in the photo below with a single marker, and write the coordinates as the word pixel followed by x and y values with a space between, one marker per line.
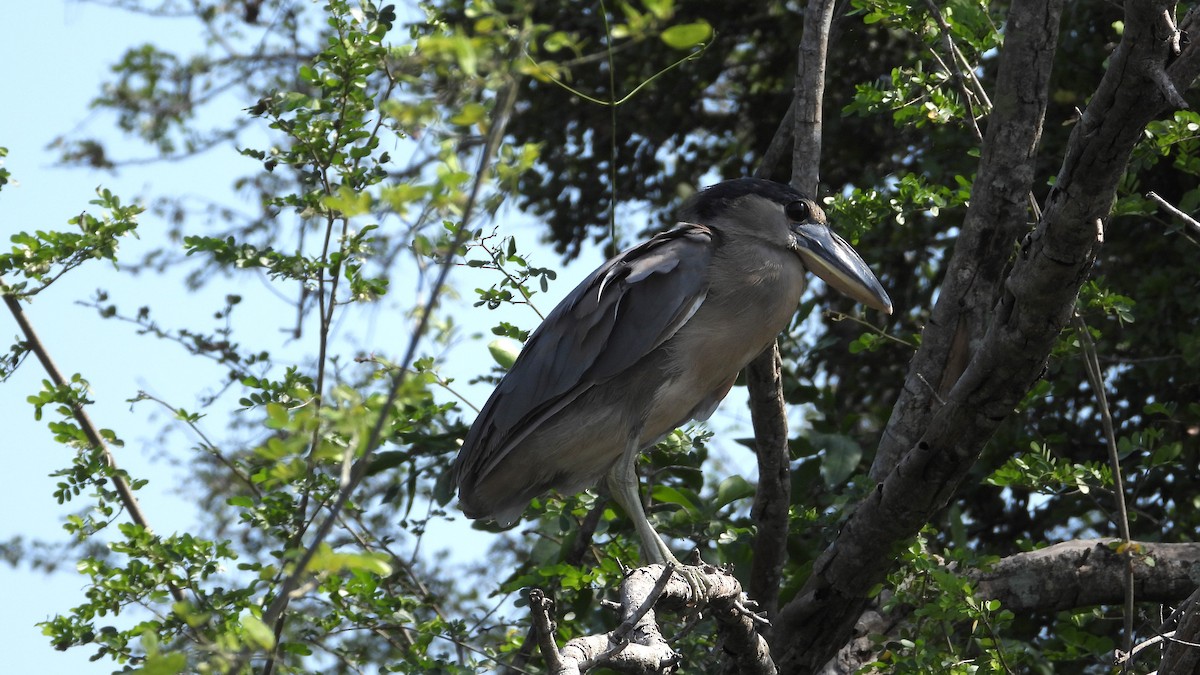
pixel 798 212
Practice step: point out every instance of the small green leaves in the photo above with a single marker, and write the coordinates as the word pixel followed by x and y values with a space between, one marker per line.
pixel 257 632
pixel 1040 471
pixel 158 662
pixel 732 489
pixel 348 203
pixel 470 115
pixel 4 173
pixel 867 342
pixel 44 256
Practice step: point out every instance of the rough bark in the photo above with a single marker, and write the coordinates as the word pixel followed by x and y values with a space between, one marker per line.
pixel 937 442
pixel 810 95
pixel 1069 575
pixel 995 221
pixel 1089 572
pixel 773 498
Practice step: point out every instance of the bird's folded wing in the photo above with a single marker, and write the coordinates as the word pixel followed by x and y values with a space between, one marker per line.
pixel 619 314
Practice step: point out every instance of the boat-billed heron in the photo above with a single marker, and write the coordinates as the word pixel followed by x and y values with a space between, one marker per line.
pixel 653 338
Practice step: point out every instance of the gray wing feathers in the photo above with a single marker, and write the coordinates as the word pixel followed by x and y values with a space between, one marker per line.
pixel 620 313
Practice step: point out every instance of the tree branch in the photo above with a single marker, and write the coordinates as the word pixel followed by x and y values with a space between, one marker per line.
pixel 997 217
pixel 773 498
pixel 1171 209
pixel 128 499
pixel 1088 572
pixel 1182 654
pixel 810 95
pixel 1062 577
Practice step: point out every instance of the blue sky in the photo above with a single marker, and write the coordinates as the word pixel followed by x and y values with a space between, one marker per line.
pixel 55 55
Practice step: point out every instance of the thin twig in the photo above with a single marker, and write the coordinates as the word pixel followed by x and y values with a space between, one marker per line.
pixel 1096 378
pixel 612 132
pixel 1171 209
pixel 835 315
pixel 326 305
pixel 614 102
pixel 207 445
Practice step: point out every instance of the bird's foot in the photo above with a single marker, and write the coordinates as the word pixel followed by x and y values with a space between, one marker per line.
pixel 696 577
pixel 697 580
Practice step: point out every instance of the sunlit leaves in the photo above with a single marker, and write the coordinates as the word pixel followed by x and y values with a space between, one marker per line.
pixel 44 256
pixel 906 196
pixel 1040 471
pixel 1094 295
pixel 328 560
pixel 5 175
pixel 687 35
pixel 259 633
pixel 504 352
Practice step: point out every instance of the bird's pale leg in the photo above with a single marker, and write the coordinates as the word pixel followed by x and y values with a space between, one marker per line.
pixel 623 483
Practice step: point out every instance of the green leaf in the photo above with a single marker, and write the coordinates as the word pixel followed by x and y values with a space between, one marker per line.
pixel 732 489
pixel 687 35
pixel 348 202
pixel 841 457
pixel 504 352
pixel 258 632
pixel 661 9
pixel 670 495
pixel 328 560
pixel 1159 409
pixel 470 114
pixel 164 664
pixel 277 416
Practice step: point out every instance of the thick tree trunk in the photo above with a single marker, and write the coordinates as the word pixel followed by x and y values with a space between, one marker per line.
pixel 933 440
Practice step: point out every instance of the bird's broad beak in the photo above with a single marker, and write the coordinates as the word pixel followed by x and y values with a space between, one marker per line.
pixel 830 257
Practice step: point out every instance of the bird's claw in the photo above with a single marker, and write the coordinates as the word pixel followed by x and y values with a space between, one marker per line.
pixel 696 577
pixel 746 607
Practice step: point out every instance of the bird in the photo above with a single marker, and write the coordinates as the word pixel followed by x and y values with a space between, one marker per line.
pixel 653 338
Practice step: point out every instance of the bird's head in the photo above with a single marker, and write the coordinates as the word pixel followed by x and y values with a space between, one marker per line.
pixel 782 217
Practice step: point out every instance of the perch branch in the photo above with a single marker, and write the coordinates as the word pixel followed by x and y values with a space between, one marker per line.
pixel 638 645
